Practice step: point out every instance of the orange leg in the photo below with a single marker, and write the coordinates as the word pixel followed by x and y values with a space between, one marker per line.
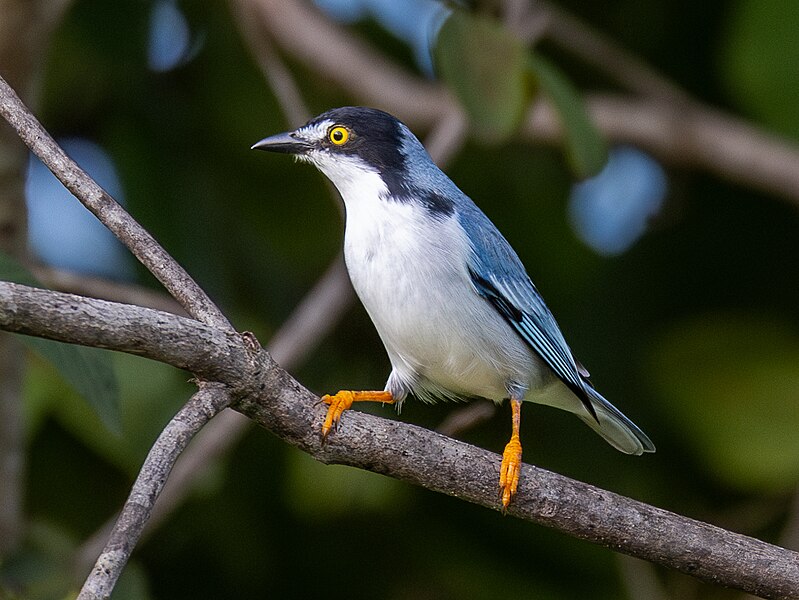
pixel 511 458
pixel 343 400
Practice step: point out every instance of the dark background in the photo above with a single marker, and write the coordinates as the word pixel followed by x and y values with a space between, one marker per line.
pixel 692 331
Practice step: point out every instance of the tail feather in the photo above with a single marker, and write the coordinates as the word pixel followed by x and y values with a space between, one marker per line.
pixel 615 427
pixel 610 422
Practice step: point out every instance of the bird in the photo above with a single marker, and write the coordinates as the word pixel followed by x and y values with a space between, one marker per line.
pixel 451 301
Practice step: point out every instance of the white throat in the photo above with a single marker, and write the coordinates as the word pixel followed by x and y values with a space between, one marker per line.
pixel 356 181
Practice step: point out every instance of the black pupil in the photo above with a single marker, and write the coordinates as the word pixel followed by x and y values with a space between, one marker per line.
pixel 338 135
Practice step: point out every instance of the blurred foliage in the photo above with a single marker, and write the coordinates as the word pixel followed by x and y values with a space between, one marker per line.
pixel 692 332
pixel 494 76
pixel 585 148
pixel 87 370
pixel 760 62
pixel 484 65
pixel 732 383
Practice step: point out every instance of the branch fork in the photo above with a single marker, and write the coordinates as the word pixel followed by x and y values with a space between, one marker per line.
pixel 232 370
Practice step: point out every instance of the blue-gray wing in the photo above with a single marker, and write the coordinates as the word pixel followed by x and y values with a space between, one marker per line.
pixel 499 276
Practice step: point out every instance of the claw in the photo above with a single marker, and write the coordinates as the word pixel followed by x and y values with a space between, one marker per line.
pixel 511 459
pixel 509 470
pixel 338 403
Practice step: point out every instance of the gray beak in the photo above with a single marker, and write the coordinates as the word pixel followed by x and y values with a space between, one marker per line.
pixel 282 142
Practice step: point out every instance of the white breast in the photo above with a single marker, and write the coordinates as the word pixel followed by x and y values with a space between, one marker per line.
pixel 409 269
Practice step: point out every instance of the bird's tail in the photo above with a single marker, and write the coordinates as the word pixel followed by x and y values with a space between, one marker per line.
pixel 614 426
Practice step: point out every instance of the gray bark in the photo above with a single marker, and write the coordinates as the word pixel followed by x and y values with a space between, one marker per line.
pixel 272 398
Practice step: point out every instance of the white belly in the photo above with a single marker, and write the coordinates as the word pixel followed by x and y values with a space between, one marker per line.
pixel 409 270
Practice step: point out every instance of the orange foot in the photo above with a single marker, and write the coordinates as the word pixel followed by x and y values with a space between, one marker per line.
pixel 343 400
pixel 509 470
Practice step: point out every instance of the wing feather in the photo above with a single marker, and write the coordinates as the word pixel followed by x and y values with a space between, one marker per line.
pixel 499 276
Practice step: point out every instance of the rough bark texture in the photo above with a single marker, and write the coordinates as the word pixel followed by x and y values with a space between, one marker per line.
pixel 273 399
pixel 237 369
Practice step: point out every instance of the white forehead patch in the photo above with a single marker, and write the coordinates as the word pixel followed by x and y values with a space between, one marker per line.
pixel 316 131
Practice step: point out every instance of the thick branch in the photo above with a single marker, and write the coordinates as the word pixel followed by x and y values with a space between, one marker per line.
pixel 311 320
pixel 96 199
pixel 276 401
pixel 200 409
pixel 207 352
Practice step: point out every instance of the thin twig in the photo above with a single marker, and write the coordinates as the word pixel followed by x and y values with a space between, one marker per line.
pixel 201 408
pixel 463 418
pixel 309 323
pixel 273 399
pixel 171 275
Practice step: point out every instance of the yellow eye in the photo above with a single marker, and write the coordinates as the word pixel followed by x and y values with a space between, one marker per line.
pixel 339 135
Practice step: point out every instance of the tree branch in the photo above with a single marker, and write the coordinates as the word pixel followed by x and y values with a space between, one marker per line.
pixel 208 352
pixel 173 277
pixel 696 136
pixel 267 394
pixel 200 409
pixel 311 320
pixel 596 49
pixel 274 400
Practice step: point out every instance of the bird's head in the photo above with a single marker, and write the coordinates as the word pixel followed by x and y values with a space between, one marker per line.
pixel 366 152
pixel 345 143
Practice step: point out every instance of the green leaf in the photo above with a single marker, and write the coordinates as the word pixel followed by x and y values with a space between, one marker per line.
pixel 730 384
pixel 484 65
pixel 89 371
pixel 150 393
pixel 11 270
pixel 586 149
